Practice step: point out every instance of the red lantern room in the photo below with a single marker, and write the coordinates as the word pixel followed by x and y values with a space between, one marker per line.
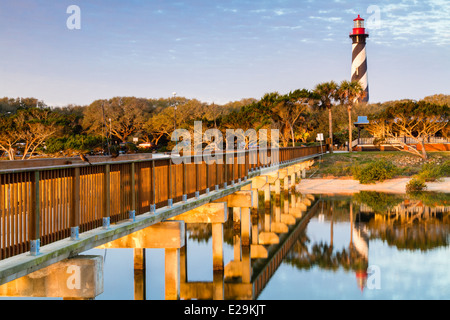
pixel 358 27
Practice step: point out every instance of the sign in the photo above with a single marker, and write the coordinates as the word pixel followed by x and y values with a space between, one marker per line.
pixel 319 137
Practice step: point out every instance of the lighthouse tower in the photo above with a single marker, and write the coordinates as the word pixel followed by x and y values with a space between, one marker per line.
pixel 359 57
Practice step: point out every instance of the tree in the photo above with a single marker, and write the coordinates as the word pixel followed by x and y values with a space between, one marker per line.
pixel 30 127
pixel 350 93
pixel 159 125
pixel 35 125
pixel 416 120
pixel 9 137
pixel 446 132
pixel 327 93
pixel 216 112
pixel 289 109
pixel 120 116
pixel 11 105
pixel 441 99
pixel 162 124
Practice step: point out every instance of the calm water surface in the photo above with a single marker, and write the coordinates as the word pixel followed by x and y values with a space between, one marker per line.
pixel 383 247
pixel 367 246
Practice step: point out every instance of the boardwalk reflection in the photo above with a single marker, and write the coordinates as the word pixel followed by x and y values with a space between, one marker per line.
pixel 274 227
pixel 264 229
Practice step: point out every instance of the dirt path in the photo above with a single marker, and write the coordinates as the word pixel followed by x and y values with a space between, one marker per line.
pixel 349 186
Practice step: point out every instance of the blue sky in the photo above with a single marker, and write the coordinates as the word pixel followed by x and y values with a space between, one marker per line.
pixel 218 51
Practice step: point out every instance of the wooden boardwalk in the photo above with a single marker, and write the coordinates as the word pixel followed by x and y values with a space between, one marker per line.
pixel 51 213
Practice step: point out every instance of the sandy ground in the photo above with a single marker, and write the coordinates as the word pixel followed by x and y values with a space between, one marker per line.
pixel 349 186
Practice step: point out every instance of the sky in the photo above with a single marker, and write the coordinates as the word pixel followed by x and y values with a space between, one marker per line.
pixel 217 51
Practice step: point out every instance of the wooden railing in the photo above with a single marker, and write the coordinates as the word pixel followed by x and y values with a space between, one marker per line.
pixel 39 206
pixel 398 140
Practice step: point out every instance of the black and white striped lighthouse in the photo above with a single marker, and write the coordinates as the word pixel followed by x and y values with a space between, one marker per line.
pixel 359 57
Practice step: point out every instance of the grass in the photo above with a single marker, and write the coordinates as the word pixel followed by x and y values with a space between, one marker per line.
pixel 342 164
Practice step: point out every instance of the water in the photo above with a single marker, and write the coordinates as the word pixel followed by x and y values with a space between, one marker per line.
pixel 368 246
pixel 398 273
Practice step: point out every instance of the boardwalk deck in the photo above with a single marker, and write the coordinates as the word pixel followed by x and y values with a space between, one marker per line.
pixel 74 208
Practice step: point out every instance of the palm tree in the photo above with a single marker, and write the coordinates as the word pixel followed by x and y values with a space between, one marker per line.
pixel 350 93
pixel 327 93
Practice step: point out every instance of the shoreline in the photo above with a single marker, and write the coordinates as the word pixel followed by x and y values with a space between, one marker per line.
pixel 350 186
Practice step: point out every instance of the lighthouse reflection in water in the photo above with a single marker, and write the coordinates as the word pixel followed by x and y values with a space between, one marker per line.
pixel 370 246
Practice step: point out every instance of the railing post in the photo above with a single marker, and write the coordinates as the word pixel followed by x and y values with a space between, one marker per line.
pixel 132 212
pixel 246 164
pixel 184 180
pixel 225 170
pixel 153 192
pixel 269 157
pixel 233 168
pixel 106 197
pixel 197 177
pixel 239 166
pixel 207 177
pixel 35 242
pixel 169 184
pixel 217 174
pixel 75 212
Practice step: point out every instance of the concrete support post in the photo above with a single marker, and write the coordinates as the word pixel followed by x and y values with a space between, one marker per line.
pixel 139 259
pixel 139 285
pixel 255 198
pixel 236 214
pixel 246 265
pixel 267 194
pixel 237 247
pixel 217 246
pixel 277 209
pixel 254 232
pixel 245 226
pixel 298 176
pixel 218 286
pixel 139 275
pixel 286 203
pixel 277 186
pixel 172 272
pixel 183 263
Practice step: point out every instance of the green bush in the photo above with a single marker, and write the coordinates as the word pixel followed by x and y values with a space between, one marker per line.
pixel 54 145
pixel 376 171
pixel 446 169
pixel 73 142
pixel 431 172
pixel 416 184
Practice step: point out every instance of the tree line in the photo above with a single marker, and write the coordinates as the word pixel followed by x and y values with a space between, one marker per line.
pixel 29 127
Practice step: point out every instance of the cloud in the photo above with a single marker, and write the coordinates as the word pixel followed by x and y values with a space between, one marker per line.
pixel 414 22
pixel 287 27
pixel 328 19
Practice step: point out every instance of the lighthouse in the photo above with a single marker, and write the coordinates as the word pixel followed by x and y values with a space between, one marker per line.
pixel 359 57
